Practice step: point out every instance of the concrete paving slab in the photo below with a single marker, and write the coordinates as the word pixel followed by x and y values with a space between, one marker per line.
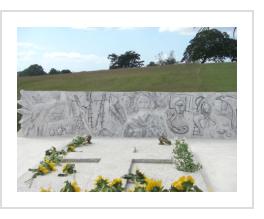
pixel 218 158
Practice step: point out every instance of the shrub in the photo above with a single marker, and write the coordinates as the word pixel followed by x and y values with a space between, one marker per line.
pixel 184 158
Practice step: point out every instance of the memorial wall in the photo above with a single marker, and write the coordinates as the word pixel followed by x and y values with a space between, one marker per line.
pixel 129 114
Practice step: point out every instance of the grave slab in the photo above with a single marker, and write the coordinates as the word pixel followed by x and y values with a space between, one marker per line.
pixel 116 156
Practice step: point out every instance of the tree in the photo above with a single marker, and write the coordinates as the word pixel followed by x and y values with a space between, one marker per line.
pixel 171 59
pixel 210 45
pixel 65 71
pixel 32 70
pixel 113 60
pixel 208 28
pixel 53 71
pixel 162 60
pixel 129 59
pixel 152 64
pixel 231 49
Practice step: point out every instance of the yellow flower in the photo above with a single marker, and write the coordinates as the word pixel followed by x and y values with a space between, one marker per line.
pixel 151 184
pixel 116 181
pixel 99 179
pixel 190 179
pixel 182 179
pixel 45 190
pixel 178 185
pixel 51 164
pixel 43 169
pixel 75 186
pixel 71 148
pixel 64 168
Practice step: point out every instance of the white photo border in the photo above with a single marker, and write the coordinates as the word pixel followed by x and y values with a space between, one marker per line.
pixel 243 20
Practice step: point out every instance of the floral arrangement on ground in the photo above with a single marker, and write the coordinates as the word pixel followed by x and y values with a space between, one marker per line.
pixel 141 183
pixel 182 156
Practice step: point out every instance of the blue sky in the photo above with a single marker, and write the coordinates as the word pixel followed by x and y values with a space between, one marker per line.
pixel 85 49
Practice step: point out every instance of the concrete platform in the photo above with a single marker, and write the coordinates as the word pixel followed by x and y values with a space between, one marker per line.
pixel 218 158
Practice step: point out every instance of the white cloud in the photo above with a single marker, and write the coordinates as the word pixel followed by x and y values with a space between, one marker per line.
pixel 25 55
pixel 193 30
pixel 75 56
pixel 125 28
pixel 180 30
pixel 28 45
pixel 83 27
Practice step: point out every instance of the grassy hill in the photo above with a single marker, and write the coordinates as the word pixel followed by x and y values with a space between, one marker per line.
pixel 177 78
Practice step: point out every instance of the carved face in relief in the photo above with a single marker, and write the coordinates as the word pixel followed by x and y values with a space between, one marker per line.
pixel 143 102
pixel 206 109
pixel 180 106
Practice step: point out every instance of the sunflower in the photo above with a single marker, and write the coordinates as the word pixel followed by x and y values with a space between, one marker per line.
pixel 190 179
pixel 116 182
pixel 98 179
pixel 153 185
pixel 71 148
pixel 43 169
pixel 178 184
pixel 51 165
pixel 75 186
pixel 64 169
pixel 101 179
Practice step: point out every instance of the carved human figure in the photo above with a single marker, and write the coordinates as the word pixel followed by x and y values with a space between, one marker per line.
pixel 202 121
pixel 225 109
pixel 175 117
pixel 139 102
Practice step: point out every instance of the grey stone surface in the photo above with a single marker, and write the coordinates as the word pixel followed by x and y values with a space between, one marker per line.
pixel 129 114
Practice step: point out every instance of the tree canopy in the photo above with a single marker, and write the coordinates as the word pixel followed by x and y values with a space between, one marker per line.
pixel 32 70
pixel 151 64
pixel 36 69
pixel 53 71
pixel 66 71
pixel 211 45
pixel 164 59
pixel 129 59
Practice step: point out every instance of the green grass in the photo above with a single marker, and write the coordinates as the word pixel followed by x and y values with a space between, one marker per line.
pixel 173 78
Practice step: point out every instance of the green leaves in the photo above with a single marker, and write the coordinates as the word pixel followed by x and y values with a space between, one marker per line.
pixel 67 187
pixel 68 169
pixel 138 177
pixel 78 140
pixel 211 45
pixel 53 155
pixel 184 158
pixel 104 185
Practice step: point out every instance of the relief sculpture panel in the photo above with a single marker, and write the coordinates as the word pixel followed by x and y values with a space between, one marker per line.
pixel 129 114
